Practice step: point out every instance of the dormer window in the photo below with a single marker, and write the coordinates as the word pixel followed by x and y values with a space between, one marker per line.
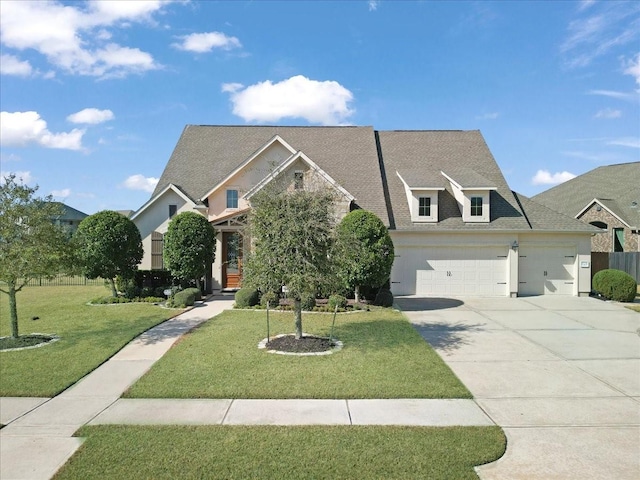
pixel 424 206
pixel 476 206
pixel 232 198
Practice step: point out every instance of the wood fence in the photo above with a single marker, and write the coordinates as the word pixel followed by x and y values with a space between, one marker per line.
pixel 626 261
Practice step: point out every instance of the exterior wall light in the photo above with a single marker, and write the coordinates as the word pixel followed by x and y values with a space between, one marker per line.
pixel 514 246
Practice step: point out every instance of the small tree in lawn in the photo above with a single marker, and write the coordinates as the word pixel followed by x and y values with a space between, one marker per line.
pixel 108 245
pixel 364 251
pixel 189 246
pixel 292 235
pixel 31 245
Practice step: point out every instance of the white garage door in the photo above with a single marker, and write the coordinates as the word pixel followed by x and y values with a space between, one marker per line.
pixel 546 270
pixel 443 271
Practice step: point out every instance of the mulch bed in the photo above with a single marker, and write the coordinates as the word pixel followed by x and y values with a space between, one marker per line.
pixel 307 344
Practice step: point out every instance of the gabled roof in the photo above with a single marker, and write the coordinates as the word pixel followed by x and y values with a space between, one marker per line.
pixel 288 162
pixel 615 187
pixel 543 218
pixel 168 187
pixel 462 154
pixel 70 213
pixel 206 155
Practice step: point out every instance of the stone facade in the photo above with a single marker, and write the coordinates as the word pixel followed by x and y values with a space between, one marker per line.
pixel 603 242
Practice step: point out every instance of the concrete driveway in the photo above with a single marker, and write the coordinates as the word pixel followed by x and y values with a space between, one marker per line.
pixel 560 375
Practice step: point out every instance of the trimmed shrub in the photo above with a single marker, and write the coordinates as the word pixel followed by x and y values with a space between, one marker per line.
pixel 337 301
pixel 109 300
pixel 615 285
pixel 247 297
pixel 197 294
pixel 308 302
pixel 384 298
pixel 184 298
pixel 272 297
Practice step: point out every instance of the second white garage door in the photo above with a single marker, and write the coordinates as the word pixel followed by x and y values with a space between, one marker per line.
pixel 455 270
pixel 546 270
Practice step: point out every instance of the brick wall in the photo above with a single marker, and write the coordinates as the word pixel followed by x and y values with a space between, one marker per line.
pixel 603 242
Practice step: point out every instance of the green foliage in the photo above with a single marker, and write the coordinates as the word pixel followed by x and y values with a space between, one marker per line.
pixel 189 246
pixel 109 245
pixel 31 245
pixel 292 236
pixel 308 302
pixel 364 250
pixel 615 285
pixel 337 301
pixel 270 297
pixel 384 298
pixel 128 287
pixel 247 297
pixel 184 298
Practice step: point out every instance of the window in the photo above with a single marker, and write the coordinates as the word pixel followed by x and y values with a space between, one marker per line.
pixel 618 239
pixel 298 180
pixel 601 225
pixel 232 198
pixel 172 210
pixel 424 206
pixel 476 206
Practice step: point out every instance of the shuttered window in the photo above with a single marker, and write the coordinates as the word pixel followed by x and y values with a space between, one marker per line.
pixel 157 244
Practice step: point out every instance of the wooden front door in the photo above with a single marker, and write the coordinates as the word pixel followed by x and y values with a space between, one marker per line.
pixel 231 259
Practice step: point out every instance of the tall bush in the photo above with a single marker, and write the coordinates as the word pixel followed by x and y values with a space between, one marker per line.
pixel 615 285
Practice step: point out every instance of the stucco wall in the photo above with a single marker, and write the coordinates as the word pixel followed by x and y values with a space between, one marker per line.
pixel 603 242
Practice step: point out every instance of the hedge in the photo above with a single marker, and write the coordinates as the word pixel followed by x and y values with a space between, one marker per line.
pixel 615 285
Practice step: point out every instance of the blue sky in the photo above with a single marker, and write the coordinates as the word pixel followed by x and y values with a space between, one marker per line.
pixel 94 95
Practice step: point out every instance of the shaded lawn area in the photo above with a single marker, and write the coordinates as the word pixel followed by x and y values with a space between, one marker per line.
pixel 89 335
pixel 239 452
pixel 383 357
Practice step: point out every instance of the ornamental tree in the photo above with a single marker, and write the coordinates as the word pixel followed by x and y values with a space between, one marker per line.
pixel 364 251
pixel 108 245
pixel 189 246
pixel 292 235
pixel 31 245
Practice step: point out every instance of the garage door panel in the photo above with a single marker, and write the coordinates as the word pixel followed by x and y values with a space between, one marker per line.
pixel 546 270
pixel 460 271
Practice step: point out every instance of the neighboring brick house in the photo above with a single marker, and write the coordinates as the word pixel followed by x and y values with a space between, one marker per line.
pixel 608 198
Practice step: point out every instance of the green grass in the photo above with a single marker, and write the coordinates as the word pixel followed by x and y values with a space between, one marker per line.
pixel 383 357
pixel 88 336
pixel 225 452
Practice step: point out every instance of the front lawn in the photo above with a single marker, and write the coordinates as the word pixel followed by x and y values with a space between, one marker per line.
pixel 239 452
pixel 383 357
pixel 88 336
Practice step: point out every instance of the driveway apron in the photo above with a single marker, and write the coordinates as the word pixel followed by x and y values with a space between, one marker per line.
pixel 559 374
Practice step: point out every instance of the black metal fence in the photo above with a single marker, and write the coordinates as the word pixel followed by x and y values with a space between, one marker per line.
pixel 63 281
pixel 626 261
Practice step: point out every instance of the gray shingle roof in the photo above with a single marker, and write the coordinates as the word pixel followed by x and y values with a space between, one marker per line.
pixel 543 218
pixel 457 153
pixel 365 162
pixel 205 155
pixel 616 186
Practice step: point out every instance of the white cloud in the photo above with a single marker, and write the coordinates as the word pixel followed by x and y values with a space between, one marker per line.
pixel 608 113
pixel 631 142
pixel 605 26
pixel 205 42
pixel 91 116
pixel 140 182
pixel 632 67
pixel 64 193
pixel 629 97
pixel 544 177
pixel 72 37
pixel 23 177
pixel 488 116
pixel 323 102
pixel 12 65
pixel 19 129
pixel 373 5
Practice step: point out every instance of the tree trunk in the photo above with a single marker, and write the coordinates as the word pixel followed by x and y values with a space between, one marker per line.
pixel 199 284
pixel 114 292
pixel 297 308
pixel 13 308
pixel 356 294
